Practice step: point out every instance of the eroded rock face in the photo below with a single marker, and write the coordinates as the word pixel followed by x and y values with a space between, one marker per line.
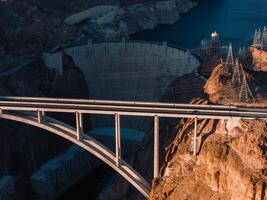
pixel 231 162
pixel 218 80
pixel 28 30
pixel 223 88
pixel 259 59
pixel 220 89
pixel 167 11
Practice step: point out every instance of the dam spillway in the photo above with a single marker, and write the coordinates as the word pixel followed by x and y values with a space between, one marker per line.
pixel 132 70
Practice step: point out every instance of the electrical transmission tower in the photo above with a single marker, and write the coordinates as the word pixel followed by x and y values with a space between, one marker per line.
pixel 264 38
pixel 257 39
pixel 236 78
pixel 245 94
pixel 260 39
pixel 230 58
pixel 242 52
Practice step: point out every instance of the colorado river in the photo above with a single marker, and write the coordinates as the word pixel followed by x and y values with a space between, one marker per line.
pixel 234 20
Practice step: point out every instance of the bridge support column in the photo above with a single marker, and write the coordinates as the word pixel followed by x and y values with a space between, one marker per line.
pixel 41 115
pixel 79 125
pixel 118 139
pixel 156 146
pixel 195 137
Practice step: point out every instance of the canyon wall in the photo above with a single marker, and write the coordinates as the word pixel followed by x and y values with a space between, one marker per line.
pixel 23 149
pixel 231 157
pixel 29 28
pixel 259 59
pixel 230 164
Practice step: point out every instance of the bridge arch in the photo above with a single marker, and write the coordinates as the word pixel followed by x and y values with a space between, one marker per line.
pixel 86 142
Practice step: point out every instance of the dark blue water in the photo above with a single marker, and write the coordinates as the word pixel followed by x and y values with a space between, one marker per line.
pixel 235 20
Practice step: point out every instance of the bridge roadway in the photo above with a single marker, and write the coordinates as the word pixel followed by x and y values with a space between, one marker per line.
pixel 130 108
pixel 30 110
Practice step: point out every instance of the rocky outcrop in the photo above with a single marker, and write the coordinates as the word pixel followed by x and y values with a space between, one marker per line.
pixel 259 58
pixel 231 159
pixel 230 165
pixel 222 87
pixel 218 86
pixel 140 17
pixel 167 11
pixel 149 15
pixel 29 30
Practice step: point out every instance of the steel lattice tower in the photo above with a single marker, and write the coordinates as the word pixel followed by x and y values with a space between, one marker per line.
pixel 264 38
pixel 255 39
pixel 258 38
pixel 245 93
pixel 236 78
pixel 230 58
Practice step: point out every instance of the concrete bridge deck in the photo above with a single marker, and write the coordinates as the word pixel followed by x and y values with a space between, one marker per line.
pixel 30 110
pixel 130 108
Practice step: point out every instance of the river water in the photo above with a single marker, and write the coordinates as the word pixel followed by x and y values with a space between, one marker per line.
pixel 234 20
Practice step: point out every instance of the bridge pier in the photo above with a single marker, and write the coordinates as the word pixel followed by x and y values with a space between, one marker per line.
pixel 195 137
pixel 118 139
pixel 41 115
pixel 156 146
pixel 79 125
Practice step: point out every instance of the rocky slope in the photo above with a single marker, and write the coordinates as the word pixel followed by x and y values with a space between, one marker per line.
pixel 24 148
pixel 149 14
pixel 28 27
pixel 259 59
pixel 231 161
pixel 224 88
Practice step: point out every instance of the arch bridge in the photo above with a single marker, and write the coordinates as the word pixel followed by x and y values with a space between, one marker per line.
pixel 33 111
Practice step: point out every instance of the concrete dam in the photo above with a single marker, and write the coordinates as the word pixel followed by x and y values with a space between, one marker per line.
pixel 132 70
pixel 126 70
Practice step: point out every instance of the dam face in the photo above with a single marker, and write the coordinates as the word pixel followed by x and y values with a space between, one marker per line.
pixel 129 71
pixel 132 71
